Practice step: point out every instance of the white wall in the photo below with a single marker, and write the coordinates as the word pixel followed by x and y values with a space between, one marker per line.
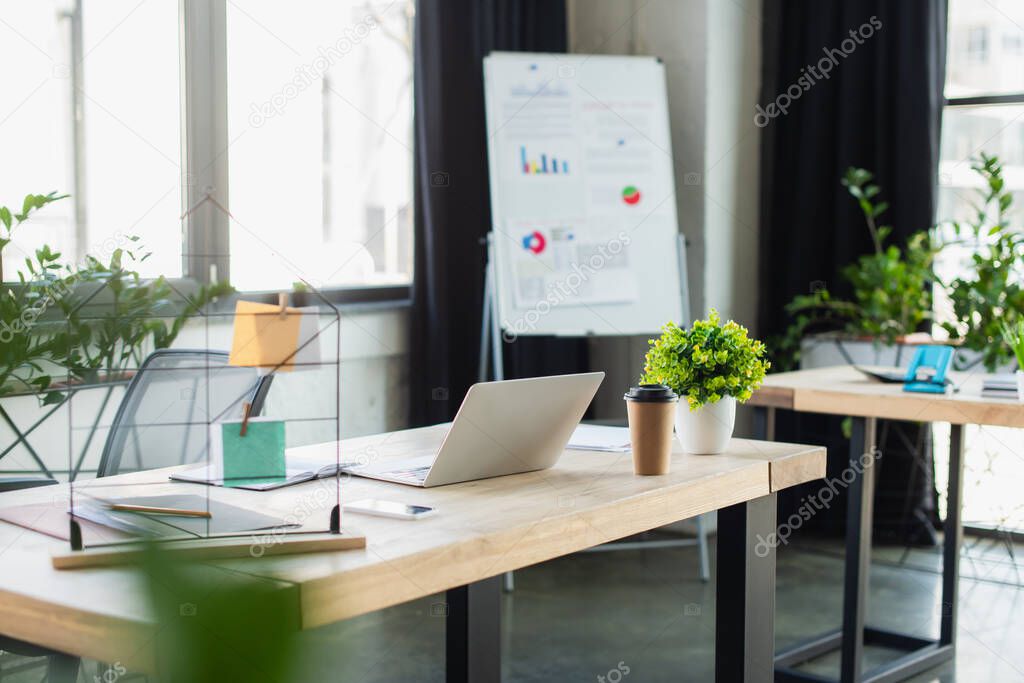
pixel 732 157
pixel 711 51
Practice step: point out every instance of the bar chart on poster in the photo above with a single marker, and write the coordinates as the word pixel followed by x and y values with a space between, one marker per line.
pixel 585 239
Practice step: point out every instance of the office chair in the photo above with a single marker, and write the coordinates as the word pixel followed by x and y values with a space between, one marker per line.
pixel 160 422
pixel 162 418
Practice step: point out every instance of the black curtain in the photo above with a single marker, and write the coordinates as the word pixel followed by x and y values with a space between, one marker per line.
pixel 452 208
pixel 879 107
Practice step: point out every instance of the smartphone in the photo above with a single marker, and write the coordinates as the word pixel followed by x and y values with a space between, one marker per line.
pixel 387 508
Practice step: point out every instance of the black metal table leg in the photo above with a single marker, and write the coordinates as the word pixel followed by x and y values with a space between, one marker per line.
pixel 61 668
pixel 473 633
pixel 764 423
pixel 921 654
pixel 745 593
pixel 859 514
pixel 953 532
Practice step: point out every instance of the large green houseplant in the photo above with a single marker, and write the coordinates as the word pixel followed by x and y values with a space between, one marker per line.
pixel 891 285
pixel 989 294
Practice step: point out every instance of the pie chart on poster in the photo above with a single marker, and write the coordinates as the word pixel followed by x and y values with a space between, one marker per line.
pixel 631 195
pixel 534 242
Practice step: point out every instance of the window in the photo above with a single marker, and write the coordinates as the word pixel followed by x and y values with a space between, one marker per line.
pixel 984 112
pixel 320 124
pixel 305 118
pixel 120 157
pixel 1013 43
pixel 977 44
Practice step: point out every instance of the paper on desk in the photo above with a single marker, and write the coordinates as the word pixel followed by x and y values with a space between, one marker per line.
pixel 265 339
pixel 600 438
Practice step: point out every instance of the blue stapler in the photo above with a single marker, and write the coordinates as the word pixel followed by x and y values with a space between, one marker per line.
pixel 927 371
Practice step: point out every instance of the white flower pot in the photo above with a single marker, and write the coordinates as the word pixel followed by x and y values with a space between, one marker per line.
pixel 707 430
pixel 1020 385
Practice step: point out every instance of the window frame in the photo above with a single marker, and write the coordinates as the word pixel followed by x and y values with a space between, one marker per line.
pixel 205 226
pixel 971 102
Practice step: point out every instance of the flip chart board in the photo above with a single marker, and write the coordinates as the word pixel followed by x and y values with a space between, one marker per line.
pixel 585 238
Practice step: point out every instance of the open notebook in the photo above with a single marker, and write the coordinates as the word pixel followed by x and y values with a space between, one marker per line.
pixel 297 471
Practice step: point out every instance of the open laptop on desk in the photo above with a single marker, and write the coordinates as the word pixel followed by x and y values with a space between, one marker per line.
pixel 518 425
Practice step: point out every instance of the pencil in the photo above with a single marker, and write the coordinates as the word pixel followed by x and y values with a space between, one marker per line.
pixel 124 507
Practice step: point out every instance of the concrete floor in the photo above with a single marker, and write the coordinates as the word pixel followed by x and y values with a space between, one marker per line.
pixel 584 616
pixel 601 614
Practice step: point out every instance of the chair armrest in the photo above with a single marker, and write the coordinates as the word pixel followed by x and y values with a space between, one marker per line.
pixel 18 483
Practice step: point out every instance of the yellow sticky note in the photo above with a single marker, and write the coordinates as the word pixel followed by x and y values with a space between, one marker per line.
pixel 263 337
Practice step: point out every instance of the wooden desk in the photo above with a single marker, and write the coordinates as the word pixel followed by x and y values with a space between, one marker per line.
pixel 844 391
pixel 481 530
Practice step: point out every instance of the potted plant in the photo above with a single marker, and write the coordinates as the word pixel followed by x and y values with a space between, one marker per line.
pixel 892 297
pixel 710 366
pixel 990 293
pixel 1014 338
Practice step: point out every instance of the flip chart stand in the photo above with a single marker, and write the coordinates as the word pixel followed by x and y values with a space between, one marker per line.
pixel 490 326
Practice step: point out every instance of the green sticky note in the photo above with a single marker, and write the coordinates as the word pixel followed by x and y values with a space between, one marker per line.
pixel 257 457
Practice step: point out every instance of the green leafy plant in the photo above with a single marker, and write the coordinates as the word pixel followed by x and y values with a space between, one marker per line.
pixel 1014 338
pixel 215 625
pixel 52 330
pixel 707 361
pixel 11 220
pixel 990 294
pixel 891 286
pixel 134 314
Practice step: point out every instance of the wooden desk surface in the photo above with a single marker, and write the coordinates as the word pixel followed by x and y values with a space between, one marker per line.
pixel 481 529
pixel 842 390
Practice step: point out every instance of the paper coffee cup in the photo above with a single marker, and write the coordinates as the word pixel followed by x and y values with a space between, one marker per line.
pixel 651 410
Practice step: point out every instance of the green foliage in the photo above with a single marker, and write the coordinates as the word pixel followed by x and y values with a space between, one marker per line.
pixel 892 289
pixel 991 294
pixel 215 625
pixel 134 314
pixel 9 220
pixel 26 360
pixel 51 329
pixel 1014 338
pixel 891 286
pixel 707 361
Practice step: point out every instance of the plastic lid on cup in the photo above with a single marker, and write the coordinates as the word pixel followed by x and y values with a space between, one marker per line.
pixel 651 393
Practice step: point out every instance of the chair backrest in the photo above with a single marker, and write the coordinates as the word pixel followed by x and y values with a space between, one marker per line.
pixel 163 416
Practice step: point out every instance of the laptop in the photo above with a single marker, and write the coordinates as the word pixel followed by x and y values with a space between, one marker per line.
pixel 507 427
